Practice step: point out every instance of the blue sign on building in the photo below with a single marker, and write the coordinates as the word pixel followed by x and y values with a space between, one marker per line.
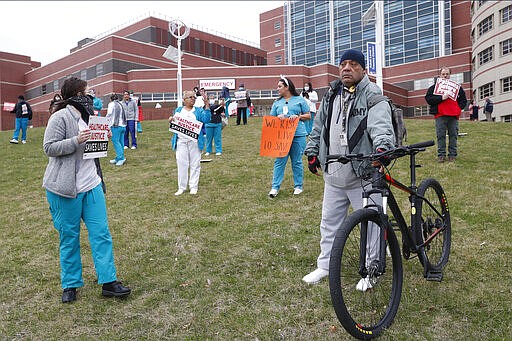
pixel 371 58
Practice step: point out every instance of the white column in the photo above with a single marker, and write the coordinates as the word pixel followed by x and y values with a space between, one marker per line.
pixel 332 49
pixel 379 41
pixel 442 43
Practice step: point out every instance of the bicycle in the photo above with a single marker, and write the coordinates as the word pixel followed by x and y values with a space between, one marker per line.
pixel 365 271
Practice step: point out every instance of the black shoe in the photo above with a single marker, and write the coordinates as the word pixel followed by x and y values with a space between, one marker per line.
pixel 115 289
pixel 69 295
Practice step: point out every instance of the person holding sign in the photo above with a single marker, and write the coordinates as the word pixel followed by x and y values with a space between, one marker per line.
pixel 188 141
pixel 23 113
pixel 344 124
pixel 290 106
pixel 74 192
pixel 446 100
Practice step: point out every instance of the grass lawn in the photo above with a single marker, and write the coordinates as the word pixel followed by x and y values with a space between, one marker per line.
pixel 227 263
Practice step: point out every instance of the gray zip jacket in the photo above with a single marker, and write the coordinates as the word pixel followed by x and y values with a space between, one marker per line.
pixel 378 132
pixel 60 144
pixel 130 110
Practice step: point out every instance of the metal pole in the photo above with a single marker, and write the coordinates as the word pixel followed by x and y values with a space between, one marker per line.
pixel 178 76
pixel 379 41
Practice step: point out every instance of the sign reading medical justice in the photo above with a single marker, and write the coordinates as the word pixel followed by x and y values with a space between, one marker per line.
pixel 97 144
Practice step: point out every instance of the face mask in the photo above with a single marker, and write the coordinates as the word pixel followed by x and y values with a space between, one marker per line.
pixel 306 88
pixel 212 101
pixel 240 89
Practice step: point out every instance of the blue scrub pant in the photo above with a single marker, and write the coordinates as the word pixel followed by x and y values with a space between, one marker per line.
pixel 214 133
pixel 21 123
pixel 130 130
pixel 118 141
pixel 295 154
pixel 66 213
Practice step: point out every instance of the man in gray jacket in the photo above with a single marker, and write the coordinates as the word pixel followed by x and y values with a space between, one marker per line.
pixel 344 124
pixel 132 116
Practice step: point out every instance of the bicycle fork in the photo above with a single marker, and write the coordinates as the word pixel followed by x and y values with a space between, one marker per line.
pixel 377 266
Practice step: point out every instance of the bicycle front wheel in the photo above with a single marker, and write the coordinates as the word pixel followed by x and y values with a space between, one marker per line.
pixel 432 225
pixel 364 313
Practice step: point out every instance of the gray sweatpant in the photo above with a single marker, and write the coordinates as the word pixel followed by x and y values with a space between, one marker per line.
pixel 334 211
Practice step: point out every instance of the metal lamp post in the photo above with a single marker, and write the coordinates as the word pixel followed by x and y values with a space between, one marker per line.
pixel 180 31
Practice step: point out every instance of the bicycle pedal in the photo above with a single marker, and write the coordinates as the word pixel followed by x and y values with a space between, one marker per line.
pixel 434 276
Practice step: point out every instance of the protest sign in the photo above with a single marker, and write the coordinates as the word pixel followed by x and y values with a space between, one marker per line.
pixel 9 106
pixel 277 135
pixel 97 145
pixel 185 126
pixel 447 86
pixel 240 95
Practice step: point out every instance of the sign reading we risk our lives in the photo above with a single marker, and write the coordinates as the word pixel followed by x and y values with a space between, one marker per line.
pixel 185 126
pixel 277 135
pixel 97 144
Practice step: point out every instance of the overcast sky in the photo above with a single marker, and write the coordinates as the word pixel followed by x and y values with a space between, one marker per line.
pixel 47 30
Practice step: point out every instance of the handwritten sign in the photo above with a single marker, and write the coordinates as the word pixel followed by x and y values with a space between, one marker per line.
pixel 9 106
pixel 186 126
pixel 447 86
pixel 240 95
pixel 97 145
pixel 277 136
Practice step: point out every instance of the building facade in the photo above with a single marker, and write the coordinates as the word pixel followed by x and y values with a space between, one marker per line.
pixel 420 37
pixel 491 34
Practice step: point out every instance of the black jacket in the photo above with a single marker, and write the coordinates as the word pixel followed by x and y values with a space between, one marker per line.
pixel 18 110
pixel 434 100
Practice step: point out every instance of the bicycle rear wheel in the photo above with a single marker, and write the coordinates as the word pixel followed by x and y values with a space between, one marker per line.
pixel 364 314
pixel 432 228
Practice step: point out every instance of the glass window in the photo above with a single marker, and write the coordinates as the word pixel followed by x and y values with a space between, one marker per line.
pixel 83 75
pixel 277 25
pixel 277 42
pixel 486 90
pixel 99 69
pixel 278 59
pixel 56 85
pixel 485 56
pixel 506 84
pixel 506 14
pixel 506 47
pixel 43 89
pixel 485 25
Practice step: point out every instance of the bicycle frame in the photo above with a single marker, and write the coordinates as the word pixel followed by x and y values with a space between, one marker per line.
pixel 381 184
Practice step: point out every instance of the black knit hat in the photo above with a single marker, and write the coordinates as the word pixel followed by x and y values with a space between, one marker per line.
pixel 355 55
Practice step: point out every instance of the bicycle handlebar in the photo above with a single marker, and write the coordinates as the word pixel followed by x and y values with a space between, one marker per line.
pixel 391 154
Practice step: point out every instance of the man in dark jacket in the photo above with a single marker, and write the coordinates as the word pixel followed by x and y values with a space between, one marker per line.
pixel 446 111
pixel 488 108
pixel 23 113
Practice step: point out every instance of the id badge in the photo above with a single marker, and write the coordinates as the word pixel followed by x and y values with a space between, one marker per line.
pixel 285 110
pixel 343 139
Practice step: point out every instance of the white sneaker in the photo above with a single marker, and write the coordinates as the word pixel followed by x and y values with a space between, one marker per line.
pixel 179 192
pixel 23 141
pixel 315 276
pixel 125 147
pixel 364 284
pixel 133 147
pixel 297 191
pixel 13 141
pixel 273 193
pixel 218 154
pixel 113 161
pixel 206 154
pixel 193 191
pixel 120 162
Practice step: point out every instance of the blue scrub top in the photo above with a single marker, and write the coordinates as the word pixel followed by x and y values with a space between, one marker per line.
pixel 296 106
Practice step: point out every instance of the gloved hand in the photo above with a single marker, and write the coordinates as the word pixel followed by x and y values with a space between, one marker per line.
pixel 383 161
pixel 313 164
